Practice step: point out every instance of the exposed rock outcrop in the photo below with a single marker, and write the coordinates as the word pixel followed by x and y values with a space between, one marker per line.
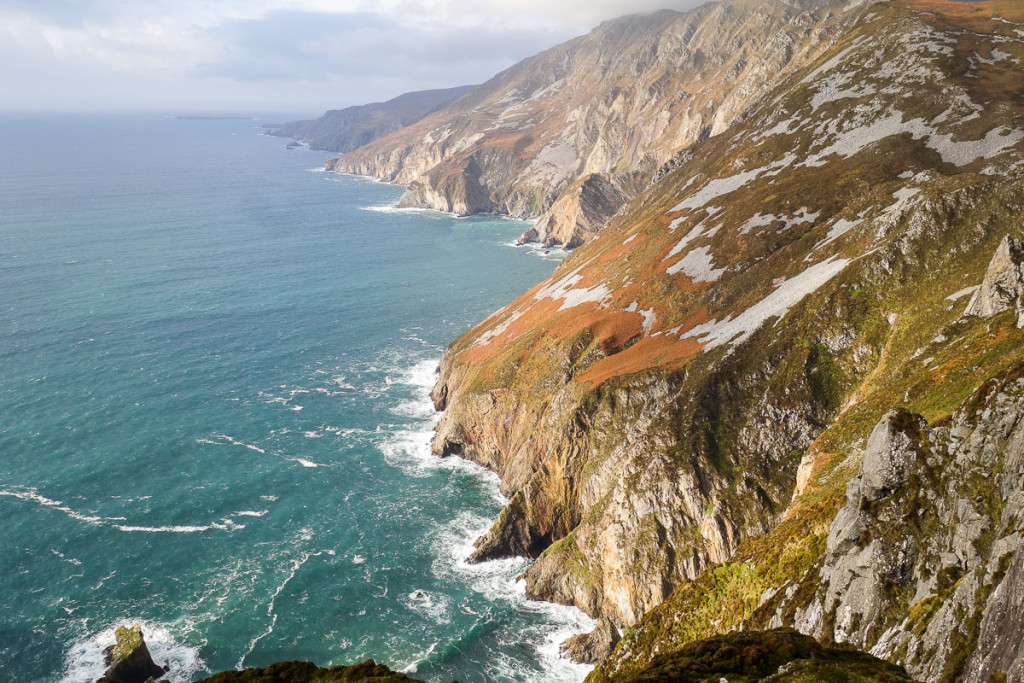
pixel 590 648
pixel 128 659
pixel 924 560
pixel 649 407
pixel 578 214
pixel 1003 285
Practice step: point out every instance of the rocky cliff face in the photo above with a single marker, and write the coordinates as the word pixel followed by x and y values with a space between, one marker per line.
pixel 343 130
pixel 923 562
pixel 698 376
pixel 572 133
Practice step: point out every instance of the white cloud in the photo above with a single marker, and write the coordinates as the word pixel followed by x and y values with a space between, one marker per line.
pixel 258 54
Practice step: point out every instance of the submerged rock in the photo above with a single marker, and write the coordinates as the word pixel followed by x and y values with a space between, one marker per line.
pixel 128 659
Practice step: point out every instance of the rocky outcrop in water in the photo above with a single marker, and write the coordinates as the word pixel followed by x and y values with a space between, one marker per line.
pixel 590 648
pixel 128 659
pixel 578 214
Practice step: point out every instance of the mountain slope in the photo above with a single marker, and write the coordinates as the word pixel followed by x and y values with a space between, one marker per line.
pixel 656 405
pixel 584 126
pixel 343 130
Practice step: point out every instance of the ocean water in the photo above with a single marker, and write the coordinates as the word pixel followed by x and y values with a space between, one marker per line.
pixel 214 422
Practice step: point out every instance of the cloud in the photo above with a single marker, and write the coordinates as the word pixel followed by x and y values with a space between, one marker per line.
pixel 258 54
pixel 317 47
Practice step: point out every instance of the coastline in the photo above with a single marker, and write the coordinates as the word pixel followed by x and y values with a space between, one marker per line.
pixel 500 579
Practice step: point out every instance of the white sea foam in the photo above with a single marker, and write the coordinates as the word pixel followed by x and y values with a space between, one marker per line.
pixel 307 463
pixel 452 544
pixel 436 607
pixel 296 565
pixel 391 209
pixel 84 660
pixel 33 496
pixel 555 253
pixel 224 439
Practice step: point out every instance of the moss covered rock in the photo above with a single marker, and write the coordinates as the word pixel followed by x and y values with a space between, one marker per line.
pixel 779 656
pixel 128 659
pixel 307 672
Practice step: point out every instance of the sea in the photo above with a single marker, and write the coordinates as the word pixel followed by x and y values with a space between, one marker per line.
pixel 215 362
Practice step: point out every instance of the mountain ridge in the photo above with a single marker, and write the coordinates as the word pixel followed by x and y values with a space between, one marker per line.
pixel 344 130
pixel 609 107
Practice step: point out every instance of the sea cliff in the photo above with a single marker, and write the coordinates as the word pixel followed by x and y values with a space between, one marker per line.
pixel 701 378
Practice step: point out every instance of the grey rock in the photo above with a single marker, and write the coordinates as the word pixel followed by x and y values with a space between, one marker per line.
pixel 924 563
pixel 1003 284
pixel 590 648
pixel 129 660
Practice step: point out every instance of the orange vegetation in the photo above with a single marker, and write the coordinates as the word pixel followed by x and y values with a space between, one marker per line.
pixel 1012 10
pixel 649 352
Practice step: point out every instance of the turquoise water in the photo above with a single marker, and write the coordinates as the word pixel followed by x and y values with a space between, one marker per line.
pixel 214 416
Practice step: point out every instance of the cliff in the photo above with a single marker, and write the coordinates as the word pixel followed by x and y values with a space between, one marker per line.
pixel 677 412
pixel 574 132
pixel 343 130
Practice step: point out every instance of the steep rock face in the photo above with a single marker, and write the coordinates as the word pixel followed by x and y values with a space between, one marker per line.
pixel 590 648
pixel 578 214
pixel 1003 284
pixel 590 121
pixel 648 407
pixel 343 130
pixel 923 560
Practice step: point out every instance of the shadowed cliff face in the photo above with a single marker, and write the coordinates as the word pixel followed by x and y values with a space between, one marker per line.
pixel 584 126
pixel 659 400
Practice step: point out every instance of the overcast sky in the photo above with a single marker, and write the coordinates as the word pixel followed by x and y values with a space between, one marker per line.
pixel 271 55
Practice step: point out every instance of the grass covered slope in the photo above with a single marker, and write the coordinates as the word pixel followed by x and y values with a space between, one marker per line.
pixel 656 405
pixel 779 656
pixel 306 672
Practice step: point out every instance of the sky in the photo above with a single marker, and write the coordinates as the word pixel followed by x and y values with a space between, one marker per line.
pixel 301 56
